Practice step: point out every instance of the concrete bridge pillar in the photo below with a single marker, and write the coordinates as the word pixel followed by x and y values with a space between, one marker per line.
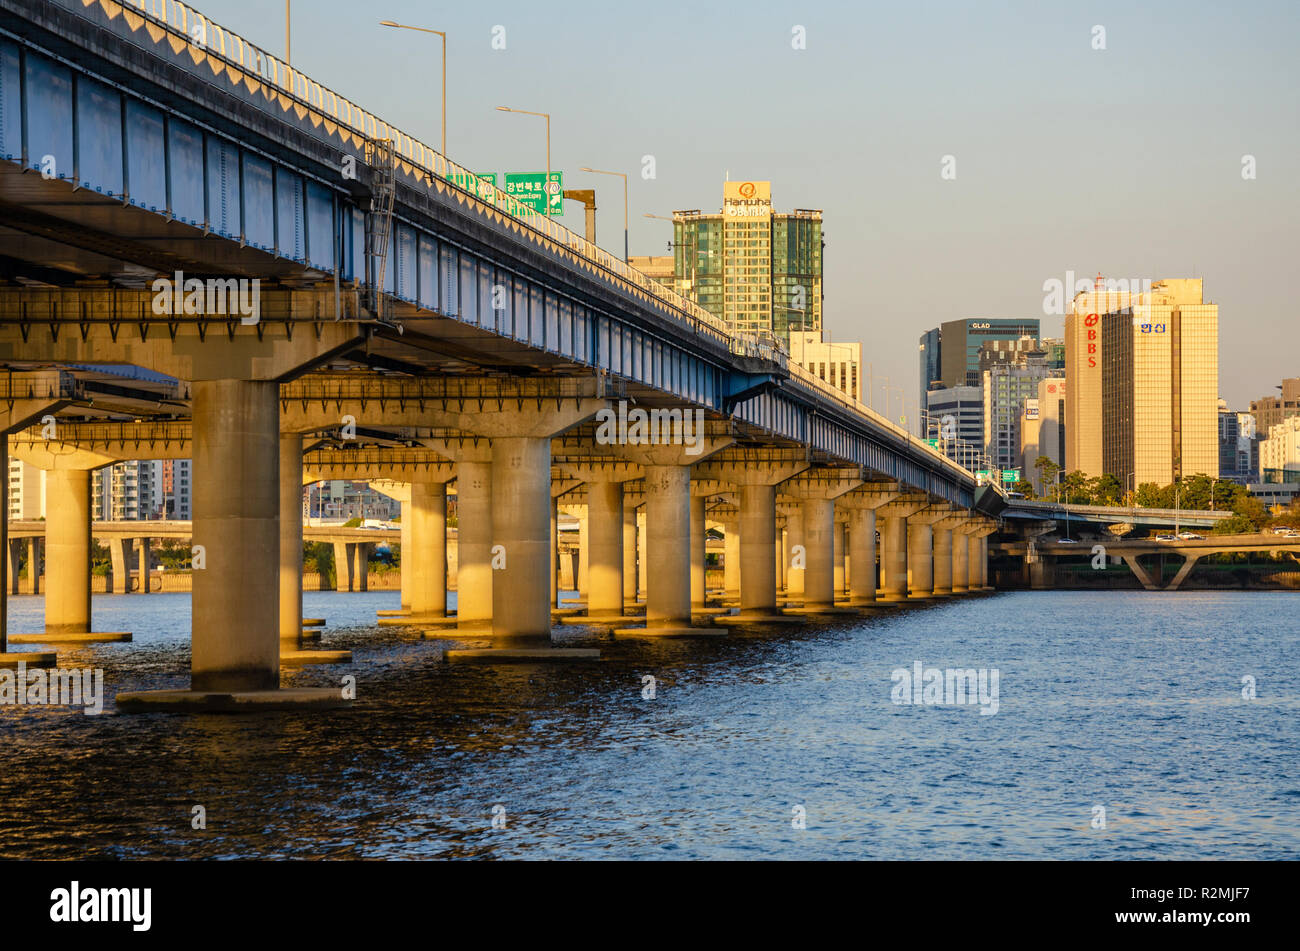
pixel 862 556
pixel 428 551
pixel 893 557
pixel 520 479
pixel 605 591
pixel 474 513
pixel 838 553
pixel 782 551
pixel 14 552
pixel 668 524
pixel 120 556
pixel 731 558
pixel 67 533
pixel 582 581
pixel 960 562
pixel 974 548
pixel 555 550
pixel 236 644
pixel 641 553
pixel 361 566
pixel 984 560
pixel 698 536
pixel 32 583
pixel 342 569
pixel 290 578
pixel 818 519
pixel 942 560
pixel 920 558
pixel 144 558
pixel 629 552
pixel 758 541
pixel 798 556
pixel 408 553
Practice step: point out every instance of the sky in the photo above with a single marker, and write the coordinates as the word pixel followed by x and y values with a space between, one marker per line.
pixel 1125 161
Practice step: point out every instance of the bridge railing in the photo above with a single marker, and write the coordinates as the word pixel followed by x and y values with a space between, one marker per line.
pixel 235 51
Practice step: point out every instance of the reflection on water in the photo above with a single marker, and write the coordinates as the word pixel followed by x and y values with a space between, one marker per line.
pixel 1130 700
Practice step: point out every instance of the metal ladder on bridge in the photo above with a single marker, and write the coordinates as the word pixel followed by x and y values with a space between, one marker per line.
pixel 382 159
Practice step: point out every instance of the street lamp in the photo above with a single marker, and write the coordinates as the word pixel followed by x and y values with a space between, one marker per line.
pixel 286 32
pixel 403 26
pixel 622 175
pixel 547 117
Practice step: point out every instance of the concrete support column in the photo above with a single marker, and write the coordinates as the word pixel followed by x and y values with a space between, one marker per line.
pixel 361 566
pixel 731 558
pixel 555 552
pixel 837 557
pixel 757 548
pixel 698 528
pixel 960 563
pixel 32 583
pixel 408 552
pixel 974 547
pixel 428 552
pixel 794 536
pixel 629 553
pixel 920 558
pixel 520 506
pixel 582 582
pixel 290 583
pixel 342 566
pixel 14 552
pixel 818 517
pixel 781 545
pixel 942 560
pixel 144 558
pixel 984 561
pixel 474 513
pixel 119 553
pixel 893 557
pixel 668 525
pixel 605 535
pixel 235 640
pixel 67 533
pixel 641 552
pixel 862 556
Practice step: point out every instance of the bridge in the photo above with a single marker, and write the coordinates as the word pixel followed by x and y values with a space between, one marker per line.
pixel 1042 556
pixel 1103 515
pixel 310 290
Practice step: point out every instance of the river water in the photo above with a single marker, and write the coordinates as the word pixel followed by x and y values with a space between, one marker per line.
pixel 764 744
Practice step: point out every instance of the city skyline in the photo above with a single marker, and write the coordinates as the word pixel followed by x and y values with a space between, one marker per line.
pixel 1009 94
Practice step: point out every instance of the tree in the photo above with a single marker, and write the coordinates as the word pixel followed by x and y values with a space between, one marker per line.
pixel 1048 470
pixel 1074 488
pixel 1237 525
pixel 1152 496
pixel 1025 488
pixel 1106 490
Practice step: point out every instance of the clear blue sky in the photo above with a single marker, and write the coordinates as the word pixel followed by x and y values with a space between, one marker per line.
pixel 1125 161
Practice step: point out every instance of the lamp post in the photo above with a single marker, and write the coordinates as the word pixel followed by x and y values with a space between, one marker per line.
pixel 622 175
pixel 440 33
pixel 287 61
pixel 547 117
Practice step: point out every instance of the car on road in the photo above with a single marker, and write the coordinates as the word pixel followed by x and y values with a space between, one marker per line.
pixel 1190 536
pixel 1067 541
pixel 1166 538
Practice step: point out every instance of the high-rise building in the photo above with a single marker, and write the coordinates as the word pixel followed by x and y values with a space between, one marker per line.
pixel 658 267
pixel 1238 446
pixel 931 372
pixel 839 364
pixel 758 270
pixel 1279 454
pixel 1042 430
pixel 955 424
pixel 1159 362
pixel 1006 389
pixel 962 340
pixel 142 489
pixel 1271 410
pixel 26 491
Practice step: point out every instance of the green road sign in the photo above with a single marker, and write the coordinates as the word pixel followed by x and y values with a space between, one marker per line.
pixel 1010 476
pixel 482 184
pixel 531 189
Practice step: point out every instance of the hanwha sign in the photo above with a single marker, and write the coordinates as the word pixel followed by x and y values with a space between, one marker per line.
pixel 747 190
